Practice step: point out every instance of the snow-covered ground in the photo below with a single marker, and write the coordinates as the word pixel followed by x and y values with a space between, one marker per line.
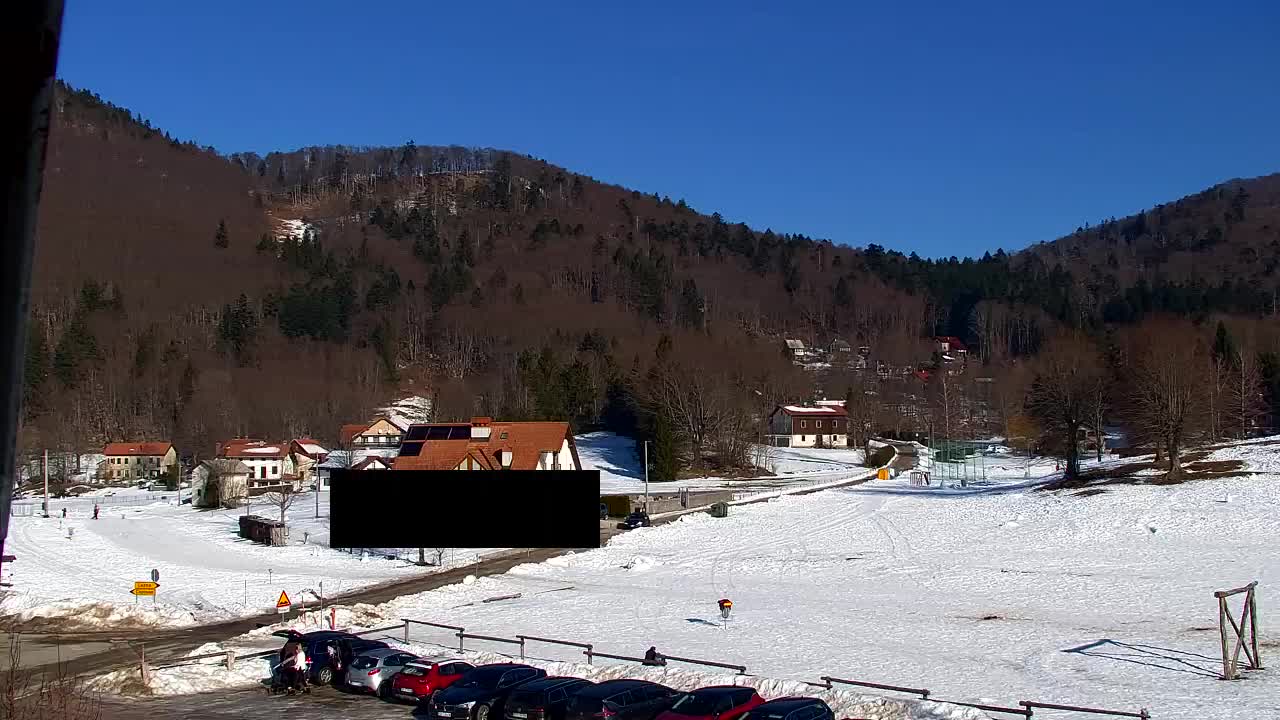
pixel 82 569
pixel 622 470
pixel 408 411
pixel 992 593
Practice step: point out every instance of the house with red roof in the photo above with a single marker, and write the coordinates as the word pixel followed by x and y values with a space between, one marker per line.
pixel 128 461
pixel 483 444
pixel 271 464
pixel 825 425
pixel 380 433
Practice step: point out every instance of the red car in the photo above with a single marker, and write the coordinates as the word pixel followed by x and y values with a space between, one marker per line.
pixel 718 702
pixel 419 679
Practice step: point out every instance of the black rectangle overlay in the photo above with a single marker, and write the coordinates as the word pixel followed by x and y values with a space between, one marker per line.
pixel 464 508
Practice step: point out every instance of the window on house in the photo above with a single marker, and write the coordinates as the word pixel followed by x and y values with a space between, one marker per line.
pixel 819 424
pixel 804 424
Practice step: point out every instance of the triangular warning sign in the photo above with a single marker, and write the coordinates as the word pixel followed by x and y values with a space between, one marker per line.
pixel 284 600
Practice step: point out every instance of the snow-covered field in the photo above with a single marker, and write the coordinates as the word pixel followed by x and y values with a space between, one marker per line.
pixel 82 569
pixel 992 593
pixel 622 470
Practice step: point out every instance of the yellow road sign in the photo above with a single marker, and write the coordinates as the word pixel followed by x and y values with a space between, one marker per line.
pixel 147 588
pixel 283 602
pixel 143 591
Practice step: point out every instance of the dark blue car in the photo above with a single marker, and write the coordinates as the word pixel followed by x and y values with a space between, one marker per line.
pixel 317 644
pixel 791 708
pixel 481 693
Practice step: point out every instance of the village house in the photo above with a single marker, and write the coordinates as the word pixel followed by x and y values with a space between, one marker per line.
pixel 825 425
pixel 381 433
pixel 373 462
pixel 950 349
pixel 796 350
pixel 483 444
pixel 307 456
pixel 271 465
pixel 219 483
pixel 135 461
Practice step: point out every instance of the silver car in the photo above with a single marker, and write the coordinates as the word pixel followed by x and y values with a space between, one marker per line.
pixel 373 670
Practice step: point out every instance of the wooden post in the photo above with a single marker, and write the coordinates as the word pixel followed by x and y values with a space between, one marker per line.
pixel 231 659
pixel 1253 627
pixel 146 671
pixel 1228 671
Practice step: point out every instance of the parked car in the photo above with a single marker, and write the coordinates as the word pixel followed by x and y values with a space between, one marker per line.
pixel 481 692
pixel 791 708
pixel 418 679
pixel 621 700
pixel 717 702
pixel 373 670
pixel 316 644
pixel 638 518
pixel 543 699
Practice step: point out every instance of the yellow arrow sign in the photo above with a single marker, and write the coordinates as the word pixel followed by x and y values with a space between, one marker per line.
pixel 143 591
pixel 147 587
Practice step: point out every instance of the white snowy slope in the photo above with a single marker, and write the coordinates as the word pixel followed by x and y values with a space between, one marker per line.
pixel 82 569
pixel 990 593
pixel 622 470
pixel 408 411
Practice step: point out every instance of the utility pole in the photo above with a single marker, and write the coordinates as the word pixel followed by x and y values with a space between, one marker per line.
pixel 316 470
pixel 46 483
pixel 645 477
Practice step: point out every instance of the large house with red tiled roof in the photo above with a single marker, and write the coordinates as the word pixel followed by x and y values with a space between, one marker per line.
pixel 381 433
pixel 825 425
pixel 484 444
pixel 137 460
pixel 271 464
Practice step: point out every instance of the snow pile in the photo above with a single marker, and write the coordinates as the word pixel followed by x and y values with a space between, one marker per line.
pixel 293 229
pixel 211 675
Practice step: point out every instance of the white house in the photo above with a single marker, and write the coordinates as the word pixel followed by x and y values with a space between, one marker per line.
pixel 219 483
pixel 825 425
pixel 270 464
pixel 381 433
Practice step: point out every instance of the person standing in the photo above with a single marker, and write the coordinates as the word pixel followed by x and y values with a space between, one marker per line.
pixel 95 511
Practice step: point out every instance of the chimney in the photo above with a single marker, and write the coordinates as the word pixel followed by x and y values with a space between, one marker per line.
pixel 480 428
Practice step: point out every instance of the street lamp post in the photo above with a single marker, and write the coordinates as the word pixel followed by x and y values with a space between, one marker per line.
pixel 646 476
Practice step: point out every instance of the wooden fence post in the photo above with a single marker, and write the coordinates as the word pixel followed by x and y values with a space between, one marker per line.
pixel 1253 627
pixel 231 659
pixel 1228 669
pixel 142 658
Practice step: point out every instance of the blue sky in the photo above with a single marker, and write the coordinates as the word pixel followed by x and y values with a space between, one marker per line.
pixel 942 128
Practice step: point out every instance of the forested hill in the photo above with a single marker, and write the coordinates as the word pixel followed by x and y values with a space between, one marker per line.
pixel 187 295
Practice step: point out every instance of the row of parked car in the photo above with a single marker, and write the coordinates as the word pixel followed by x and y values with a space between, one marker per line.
pixel 451 689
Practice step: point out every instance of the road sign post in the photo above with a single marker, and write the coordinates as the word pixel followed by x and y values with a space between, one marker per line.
pixel 141 588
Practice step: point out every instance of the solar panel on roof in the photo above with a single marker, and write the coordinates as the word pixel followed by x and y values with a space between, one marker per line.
pixel 438 432
pixel 411 449
pixel 460 432
pixel 416 432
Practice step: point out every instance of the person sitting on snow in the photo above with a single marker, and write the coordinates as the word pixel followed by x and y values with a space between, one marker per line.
pixel 651 657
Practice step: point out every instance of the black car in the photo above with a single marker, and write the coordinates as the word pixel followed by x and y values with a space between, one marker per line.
pixel 791 708
pixel 481 692
pixel 543 699
pixel 621 700
pixel 638 518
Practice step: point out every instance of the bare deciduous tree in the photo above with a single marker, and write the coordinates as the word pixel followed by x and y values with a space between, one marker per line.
pixel 1064 393
pixel 1167 394
pixel 282 499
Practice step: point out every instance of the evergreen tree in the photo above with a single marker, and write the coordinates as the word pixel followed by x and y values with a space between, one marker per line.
pixel 220 238
pixel 664 456
pixel 77 348
pixel 35 370
pixel 1224 347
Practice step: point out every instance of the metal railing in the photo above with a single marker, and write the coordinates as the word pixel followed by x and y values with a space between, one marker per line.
pixel 922 692
pixel 1076 708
